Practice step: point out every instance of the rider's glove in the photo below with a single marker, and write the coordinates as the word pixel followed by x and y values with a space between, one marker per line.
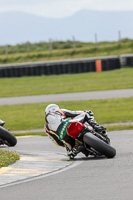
pixel 89 112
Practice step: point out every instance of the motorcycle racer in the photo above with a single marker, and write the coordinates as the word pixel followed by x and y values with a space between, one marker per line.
pixel 62 126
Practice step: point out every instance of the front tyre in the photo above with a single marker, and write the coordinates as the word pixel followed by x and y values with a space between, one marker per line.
pixel 7 137
pixel 100 146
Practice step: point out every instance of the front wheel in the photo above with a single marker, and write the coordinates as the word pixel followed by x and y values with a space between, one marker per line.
pixel 98 145
pixel 7 137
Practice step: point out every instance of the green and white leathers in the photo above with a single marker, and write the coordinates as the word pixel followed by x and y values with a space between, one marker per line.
pixel 55 121
pixel 63 130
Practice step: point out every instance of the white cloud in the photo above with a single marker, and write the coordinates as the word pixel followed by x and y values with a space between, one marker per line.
pixel 63 8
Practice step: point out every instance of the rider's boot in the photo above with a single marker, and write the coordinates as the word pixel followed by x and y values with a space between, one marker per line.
pixel 98 128
pixel 101 130
pixel 92 122
pixel 78 149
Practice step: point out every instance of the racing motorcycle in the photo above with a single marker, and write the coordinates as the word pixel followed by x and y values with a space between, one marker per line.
pixel 6 137
pixel 90 142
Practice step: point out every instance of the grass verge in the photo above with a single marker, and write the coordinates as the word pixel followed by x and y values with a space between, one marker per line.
pixel 120 127
pixel 92 81
pixel 39 52
pixel 32 116
pixel 30 134
pixel 109 128
pixel 8 158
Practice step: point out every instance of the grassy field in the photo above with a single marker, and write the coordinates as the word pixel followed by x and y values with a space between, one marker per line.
pixel 32 116
pixel 92 81
pixel 63 50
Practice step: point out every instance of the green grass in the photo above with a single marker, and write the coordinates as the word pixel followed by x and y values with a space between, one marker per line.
pixel 120 127
pixel 8 158
pixel 32 116
pixel 92 81
pixel 109 128
pixel 30 134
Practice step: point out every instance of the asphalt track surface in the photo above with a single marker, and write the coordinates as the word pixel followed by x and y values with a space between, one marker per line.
pixel 83 178
pixel 90 178
pixel 108 94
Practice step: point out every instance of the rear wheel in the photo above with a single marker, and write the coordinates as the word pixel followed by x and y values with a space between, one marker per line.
pixel 99 145
pixel 7 137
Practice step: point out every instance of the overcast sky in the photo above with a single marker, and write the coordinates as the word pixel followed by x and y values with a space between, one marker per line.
pixel 63 8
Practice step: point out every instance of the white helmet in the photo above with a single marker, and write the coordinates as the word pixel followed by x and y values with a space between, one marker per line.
pixel 51 108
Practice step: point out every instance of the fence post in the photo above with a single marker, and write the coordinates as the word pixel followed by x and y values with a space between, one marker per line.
pixel 96 41
pixel 28 48
pixel 119 33
pixel 74 45
pixel 6 51
pixel 50 46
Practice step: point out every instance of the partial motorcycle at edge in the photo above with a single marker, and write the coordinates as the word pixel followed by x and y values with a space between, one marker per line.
pixel 6 137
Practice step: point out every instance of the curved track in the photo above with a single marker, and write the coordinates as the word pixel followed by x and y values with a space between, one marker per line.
pixel 92 179
pixel 108 94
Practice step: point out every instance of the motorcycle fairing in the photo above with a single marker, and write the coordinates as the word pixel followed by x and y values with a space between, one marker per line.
pixel 74 128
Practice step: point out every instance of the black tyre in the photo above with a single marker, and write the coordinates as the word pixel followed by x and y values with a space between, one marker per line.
pixel 7 137
pixel 100 146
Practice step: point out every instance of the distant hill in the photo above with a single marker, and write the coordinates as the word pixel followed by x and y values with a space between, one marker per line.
pixel 19 27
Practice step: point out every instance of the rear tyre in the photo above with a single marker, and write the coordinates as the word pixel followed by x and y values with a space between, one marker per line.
pixel 100 146
pixel 7 137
